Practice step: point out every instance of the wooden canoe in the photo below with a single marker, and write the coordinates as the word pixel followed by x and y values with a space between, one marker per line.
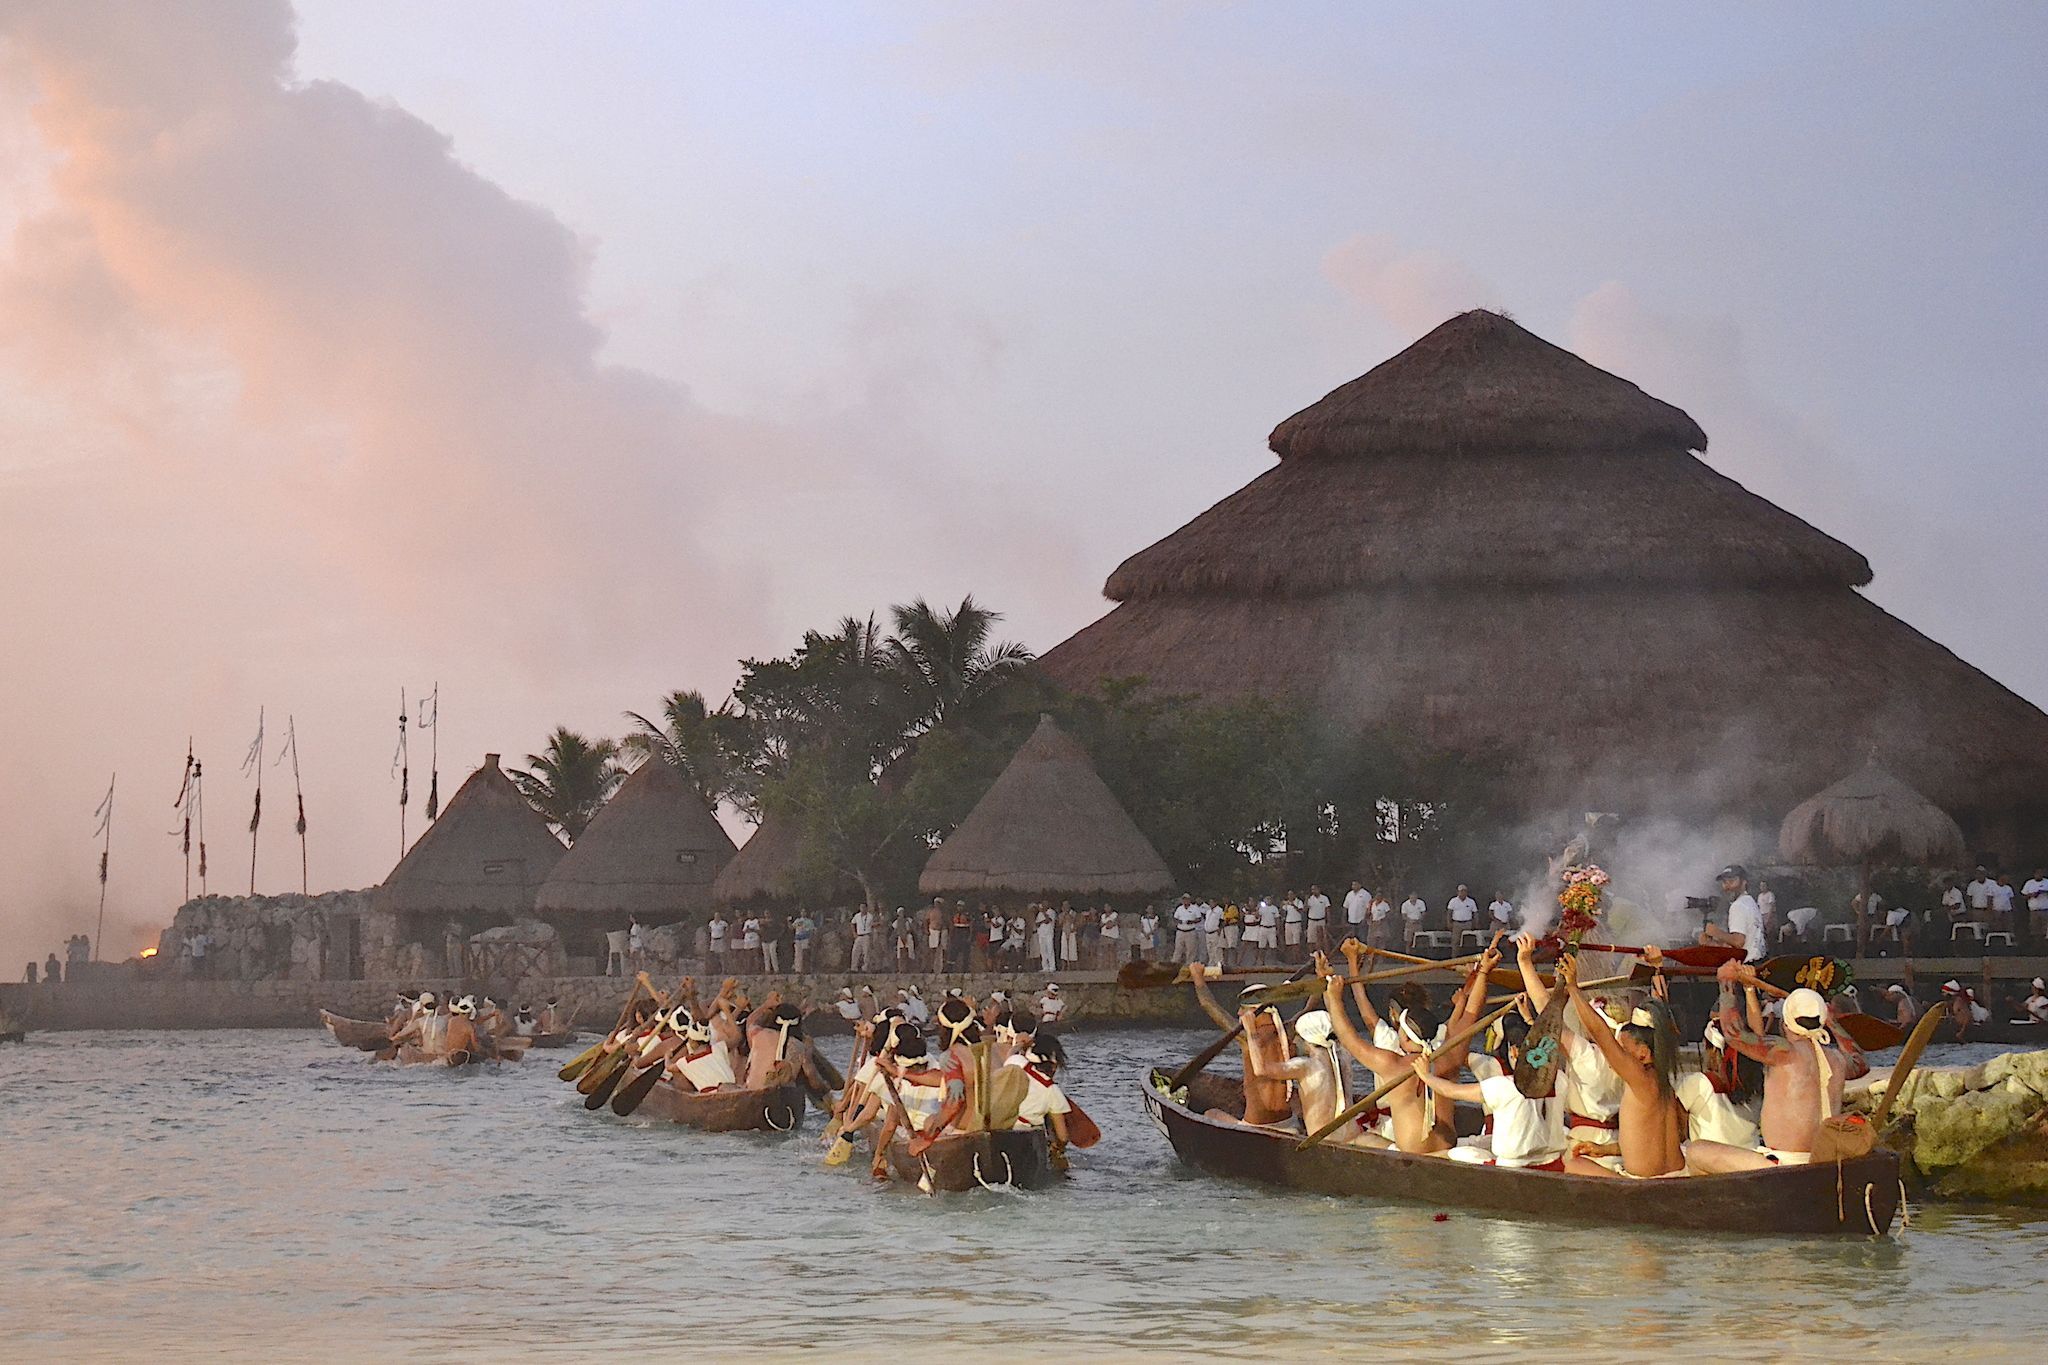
pixel 779 1109
pixel 2004 1032
pixel 1860 1198
pixel 553 1040
pixel 369 1035
pixel 963 1161
pixel 13 1035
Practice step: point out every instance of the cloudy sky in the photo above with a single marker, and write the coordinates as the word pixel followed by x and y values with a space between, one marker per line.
pixel 563 354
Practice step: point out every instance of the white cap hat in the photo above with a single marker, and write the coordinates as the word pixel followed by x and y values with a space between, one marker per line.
pixel 1314 1027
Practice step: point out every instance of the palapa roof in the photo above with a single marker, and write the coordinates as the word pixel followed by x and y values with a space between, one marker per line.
pixel 652 851
pixel 488 852
pixel 1490 545
pixel 1048 826
pixel 767 866
pixel 1871 816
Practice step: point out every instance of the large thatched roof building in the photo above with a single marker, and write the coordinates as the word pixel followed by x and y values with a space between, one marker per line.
pixel 1049 826
pixel 652 851
pixel 481 863
pixel 767 867
pixel 1490 544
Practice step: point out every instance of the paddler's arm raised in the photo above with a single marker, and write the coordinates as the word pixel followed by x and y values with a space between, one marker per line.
pixel 1748 1041
pixel 1532 979
pixel 1633 1073
pixel 1353 952
pixel 1199 978
pixel 1378 1059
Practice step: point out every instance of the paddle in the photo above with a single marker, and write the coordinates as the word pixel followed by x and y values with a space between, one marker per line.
pixel 1258 997
pixel 1706 956
pixel 924 1180
pixel 1081 1130
pixel 601 1093
pixel 1536 1067
pixel 632 1092
pixel 1223 1040
pixel 1357 1107
pixel 587 1058
pixel 1909 1057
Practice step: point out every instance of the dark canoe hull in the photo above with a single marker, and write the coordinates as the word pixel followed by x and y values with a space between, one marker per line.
pixel 553 1040
pixel 967 1161
pixel 366 1035
pixel 2000 1031
pixel 13 1035
pixel 779 1109
pixel 1862 1197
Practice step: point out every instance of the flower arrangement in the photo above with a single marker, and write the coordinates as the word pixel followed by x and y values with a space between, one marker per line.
pixel 1580 902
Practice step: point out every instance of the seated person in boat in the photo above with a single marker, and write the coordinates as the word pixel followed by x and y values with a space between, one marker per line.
pixel 428 1029
pixel 461 1039
pixel 1803 1076
pixel 1592 1087
pixel 1265 1098
pixel 865 1101
pixel 696 1061
pixel 1644 1053
pixel 1411 1117
pixel 551 1016
pixel 1524 1133
pixel 962 1038
pixel 404 1012
pixel 1043 1104
pixel 2034 1009
pixel 924 1096
pixel 775 1039
pixel 1720 1099
pixel 1905 1009
pixel 524 1024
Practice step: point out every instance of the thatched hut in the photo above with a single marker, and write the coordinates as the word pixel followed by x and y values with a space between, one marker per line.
pixel 480 864
pixel 1870 817
pixel 1050 827
pixel 652 852
pixel 1491 545
pixel 767 868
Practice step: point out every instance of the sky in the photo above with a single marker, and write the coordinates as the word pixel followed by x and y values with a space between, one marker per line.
pixel 563 355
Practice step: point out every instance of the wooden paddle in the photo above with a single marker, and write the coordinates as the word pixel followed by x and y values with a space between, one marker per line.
pixel 601 1093
pixel 1707 956
pixel 587 1058
pixel 1542 1052
pixel 1081 1130
pixel 1909 1057
pixel 1223 1040
pixel 629 1095
pixel 1258 997
pixel 1357 1107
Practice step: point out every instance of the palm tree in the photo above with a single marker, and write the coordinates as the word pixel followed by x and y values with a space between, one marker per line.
pixel 944 663
pixel 570 779
pixel 710 748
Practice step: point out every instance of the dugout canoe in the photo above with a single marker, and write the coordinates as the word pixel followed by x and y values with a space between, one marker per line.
pixel 965 1161
pixel 553 1040
pixel 13 1035
pixel 2004 1032
pixel 367 1035
pixel 1859 1197
pixel 778 1109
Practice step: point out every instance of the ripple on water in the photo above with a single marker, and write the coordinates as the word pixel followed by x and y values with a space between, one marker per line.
pixel 207 1195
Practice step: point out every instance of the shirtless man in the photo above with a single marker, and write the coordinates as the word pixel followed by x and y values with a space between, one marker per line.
pixel 1265 1101
pixel 774 1031
pixel 1803 1076
pixel 1421 1122
pixel 1644 1053
pixel 1316 1073
pixel 960 1034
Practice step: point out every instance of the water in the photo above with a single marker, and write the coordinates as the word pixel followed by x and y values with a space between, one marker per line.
pixel 268 1195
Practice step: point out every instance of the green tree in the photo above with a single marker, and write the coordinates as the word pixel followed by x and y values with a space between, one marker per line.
pixel 713 749
pixel 945 663
pixel 570 779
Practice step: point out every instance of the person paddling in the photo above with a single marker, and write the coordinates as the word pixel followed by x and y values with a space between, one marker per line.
pixel 1644 1054
pixel 1265 1099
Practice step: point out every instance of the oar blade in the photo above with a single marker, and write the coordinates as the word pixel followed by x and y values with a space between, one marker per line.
pixel 601 1094
pixel 580 1063
pixel 1869 1032
pixel 629 1095
pixel 1082 1131
pixel 1146 976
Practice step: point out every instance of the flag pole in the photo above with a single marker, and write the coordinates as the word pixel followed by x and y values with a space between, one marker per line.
pixel 399 764
pixel 183 805
pixel 254 761
pixel 106 830
pixel 291 746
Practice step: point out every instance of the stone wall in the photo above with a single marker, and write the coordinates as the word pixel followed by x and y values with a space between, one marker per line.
pixel 117 999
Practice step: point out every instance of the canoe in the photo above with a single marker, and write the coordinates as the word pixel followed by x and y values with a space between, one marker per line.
pixel 963 1161
pixel 553 1040
pixel 13 1035
pixel 2006 1032
pixel 1861 1197
pixel 778 1109
pixel 370 1035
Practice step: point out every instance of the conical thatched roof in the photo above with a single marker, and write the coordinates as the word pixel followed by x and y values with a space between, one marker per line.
pixel 1050 827
pixel 766 866
pixel 489 852
pixel 1870 816
pixel 652 851
pixel 1496 548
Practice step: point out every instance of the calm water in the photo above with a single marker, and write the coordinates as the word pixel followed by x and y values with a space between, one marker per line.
pixel 266 1194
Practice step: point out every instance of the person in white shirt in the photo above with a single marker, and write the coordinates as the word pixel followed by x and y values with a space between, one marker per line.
pixel 1318 919
pixel 1464 910
pixel 1048 948
pixel 846 1006
pixel 1356 902
pixel 1148 933
pixel 1111 933
pixel 1952 902
pixel 1051 1004
pixel 1767 906
pixel 2036 892
pixel 1502 910
pixel 1269 930
pixel 1412 911
pixel 861 959
pixel 1745 922
pixel 1013 946
pixel 1212 933
pixel 2001 901
pixel 1187 927
pixel 1979 892
pixel 1291 914
pixel 1380 923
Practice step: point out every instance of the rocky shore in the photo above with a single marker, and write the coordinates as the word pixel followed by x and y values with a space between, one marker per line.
pixel 1975 1133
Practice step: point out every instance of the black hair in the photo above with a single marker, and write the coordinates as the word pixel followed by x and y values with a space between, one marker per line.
pixel 909 1044
pixel 791 1015
pixel 1514 1031
pixel 956 1016
pixel 1423 1022
pixel 1048 1046
pixel 1661 1037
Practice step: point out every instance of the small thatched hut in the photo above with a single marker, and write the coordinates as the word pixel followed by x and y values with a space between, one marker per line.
pixel 1051 827
pixel 480 864
pixel 1491 545
pixel 1870 817
pixel 653 852
pixel 767 866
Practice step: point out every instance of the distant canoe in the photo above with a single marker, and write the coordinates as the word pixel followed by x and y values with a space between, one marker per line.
pixel 2004 1032
pixel 1860 1197
pixel 965 1161
pixel 368 1035
pixel 553 1040
pixel 13 1035
pixel 778 1109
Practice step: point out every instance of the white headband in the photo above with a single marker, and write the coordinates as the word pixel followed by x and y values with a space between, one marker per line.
pixel 1642 1018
